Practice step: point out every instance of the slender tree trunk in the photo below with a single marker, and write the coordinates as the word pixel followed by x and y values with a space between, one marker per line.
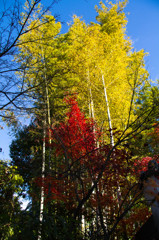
pixel 91 105
pixel 111 135
pixel 48 106
pixel 43 178
pixel 49 121
pixel 46 119
pixel 108 112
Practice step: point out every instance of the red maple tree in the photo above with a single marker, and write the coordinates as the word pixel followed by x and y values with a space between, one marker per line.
pixel 89 183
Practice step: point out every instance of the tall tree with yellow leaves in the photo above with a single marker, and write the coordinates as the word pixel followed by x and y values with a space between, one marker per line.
pixel 37 55
pixel 102 51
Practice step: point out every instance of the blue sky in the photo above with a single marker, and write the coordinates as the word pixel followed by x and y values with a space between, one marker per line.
pixel 142 28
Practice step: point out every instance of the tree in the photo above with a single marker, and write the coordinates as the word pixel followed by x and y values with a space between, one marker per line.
pixel 25 152
pixel 14 25
pixel 86 176
pixel 103 51
pixel 146 143
pixel 10 188
pixel 42 55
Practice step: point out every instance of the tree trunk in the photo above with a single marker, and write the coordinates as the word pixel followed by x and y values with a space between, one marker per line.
pixel 108 113
pixel 43 178
pixel 91 105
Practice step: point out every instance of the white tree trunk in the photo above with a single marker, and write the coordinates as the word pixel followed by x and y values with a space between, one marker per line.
pixel 111 133
pixel 108 113
pixel 91 105
pixel 42 197
pixel 46 119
